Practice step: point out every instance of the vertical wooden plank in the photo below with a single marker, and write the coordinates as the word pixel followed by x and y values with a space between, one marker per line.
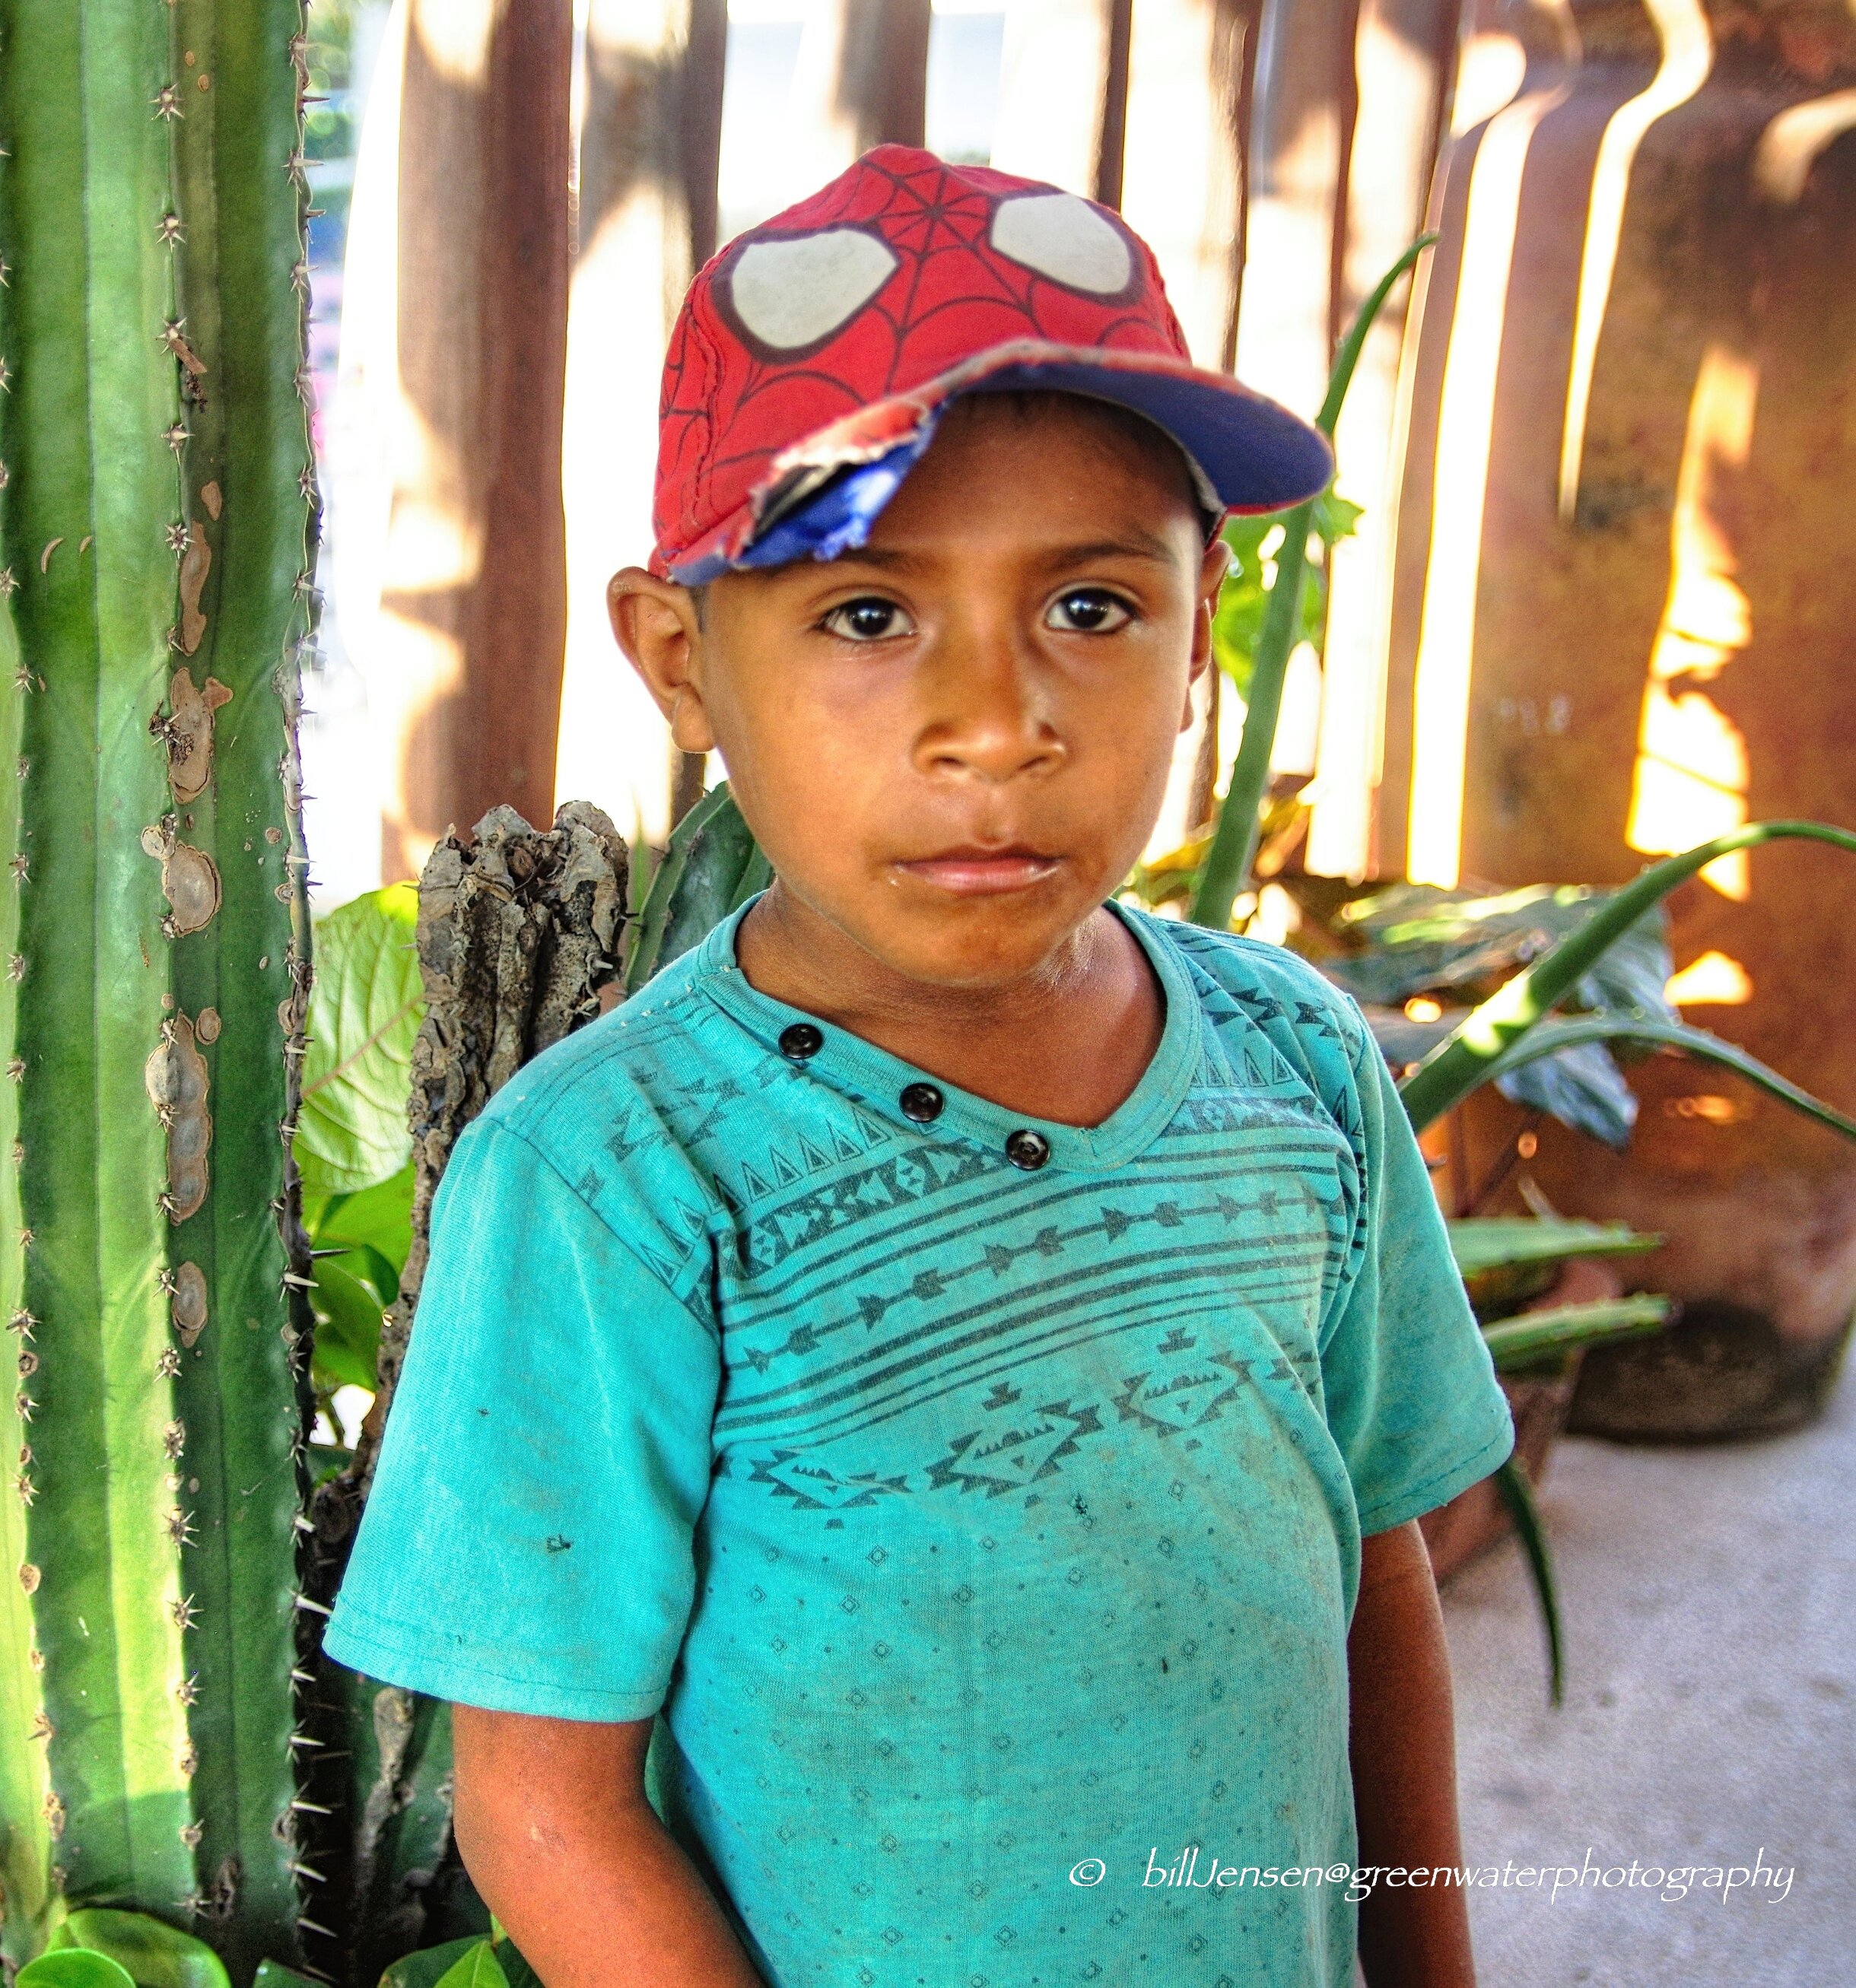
pixel 473 604
pixel 649 139
pixel 861 80
pixel 1182 182
pixel 1404 56
pixel 1298 137
pixel 1062 97
pixel 1189 66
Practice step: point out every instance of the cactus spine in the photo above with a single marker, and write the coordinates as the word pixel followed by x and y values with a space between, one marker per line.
pixel 154 526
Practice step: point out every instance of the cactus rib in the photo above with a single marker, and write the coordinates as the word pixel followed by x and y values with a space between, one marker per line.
pixel 153 528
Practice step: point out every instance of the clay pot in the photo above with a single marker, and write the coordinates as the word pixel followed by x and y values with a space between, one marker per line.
pixel 1626 577
pixel 1475 1520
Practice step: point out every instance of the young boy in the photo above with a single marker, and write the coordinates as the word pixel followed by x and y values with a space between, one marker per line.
pixel 970 1354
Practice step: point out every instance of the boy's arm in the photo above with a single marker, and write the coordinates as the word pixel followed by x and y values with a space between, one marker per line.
pixel 553 1822
pixel 1404 1748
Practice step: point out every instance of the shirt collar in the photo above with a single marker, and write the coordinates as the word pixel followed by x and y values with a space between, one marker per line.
pixel 876 1080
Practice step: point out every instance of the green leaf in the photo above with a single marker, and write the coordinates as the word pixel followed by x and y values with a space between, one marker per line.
pixel 153 1953
pixel 520 1975
pixel 348 1315
pixel 73 1967
pixel 478 1968
pixel 1504 1260
pixel 1580 1085
pixel 364 1011
pixel 1517 1494
pixel 1467 1058
pixel 378 1217
pixel 711 865
pixel 1560 1328
pixel 1482 1243
pixel 1415 939
pixel 1550 1038
pixel 428 1968
pixel 1227 866
pixel 272 1974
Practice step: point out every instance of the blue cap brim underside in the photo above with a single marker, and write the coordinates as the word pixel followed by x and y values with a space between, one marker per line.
pixel 1254 456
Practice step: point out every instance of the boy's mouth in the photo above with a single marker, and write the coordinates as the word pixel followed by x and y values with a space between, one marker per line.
pixel 973 871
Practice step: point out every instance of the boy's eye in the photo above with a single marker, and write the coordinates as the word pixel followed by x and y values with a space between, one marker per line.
pixel 1088 610
pixel 870 618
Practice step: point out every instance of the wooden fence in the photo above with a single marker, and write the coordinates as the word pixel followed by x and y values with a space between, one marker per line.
pixel 1612 177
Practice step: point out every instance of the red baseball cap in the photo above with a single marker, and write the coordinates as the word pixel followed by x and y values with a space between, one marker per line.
pixel 813 357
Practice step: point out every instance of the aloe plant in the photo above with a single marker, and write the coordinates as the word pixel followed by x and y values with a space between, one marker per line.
pixel 1495 1036
pixel 154 531
pixel 711 866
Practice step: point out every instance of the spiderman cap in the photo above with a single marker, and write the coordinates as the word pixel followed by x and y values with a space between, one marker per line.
pixel 812 358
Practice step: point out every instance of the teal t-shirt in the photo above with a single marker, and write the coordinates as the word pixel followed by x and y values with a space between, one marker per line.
pixel 983 1511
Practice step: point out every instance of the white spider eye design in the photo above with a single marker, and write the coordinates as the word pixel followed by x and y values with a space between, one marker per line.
pixel 791 292
pixel 1065 238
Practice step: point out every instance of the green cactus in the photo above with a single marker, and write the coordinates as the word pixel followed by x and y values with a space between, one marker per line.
pixel 154 528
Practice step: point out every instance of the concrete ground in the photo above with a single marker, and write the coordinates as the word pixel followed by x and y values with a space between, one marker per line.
pixel 1709 1601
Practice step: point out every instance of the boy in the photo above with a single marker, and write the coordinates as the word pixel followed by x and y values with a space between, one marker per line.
pixel 970 1353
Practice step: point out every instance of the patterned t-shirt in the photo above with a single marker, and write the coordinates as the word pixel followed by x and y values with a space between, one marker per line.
pixel 978 1497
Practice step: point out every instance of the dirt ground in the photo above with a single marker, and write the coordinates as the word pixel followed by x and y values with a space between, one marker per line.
pixel 1710 1601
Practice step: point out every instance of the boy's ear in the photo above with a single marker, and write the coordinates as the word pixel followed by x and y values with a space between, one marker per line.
pixel 654 621
pixel 1212 570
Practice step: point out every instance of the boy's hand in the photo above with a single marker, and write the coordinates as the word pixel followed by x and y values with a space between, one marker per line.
pixel 553 1823
pixel 1404 1746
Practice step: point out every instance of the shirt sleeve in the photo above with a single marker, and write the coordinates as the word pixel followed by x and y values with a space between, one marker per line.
pixel 527 1543
pixel 1412 1399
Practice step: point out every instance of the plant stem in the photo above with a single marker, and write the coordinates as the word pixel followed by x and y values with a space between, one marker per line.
pixel 1227 870
pixel 1233 849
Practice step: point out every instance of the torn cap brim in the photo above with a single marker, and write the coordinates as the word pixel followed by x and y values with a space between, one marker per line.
pixel 823 495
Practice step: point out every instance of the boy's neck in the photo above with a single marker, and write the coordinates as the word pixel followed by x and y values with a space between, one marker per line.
pixel 1068 1042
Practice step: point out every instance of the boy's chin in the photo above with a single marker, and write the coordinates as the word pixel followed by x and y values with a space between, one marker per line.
pixel 972 944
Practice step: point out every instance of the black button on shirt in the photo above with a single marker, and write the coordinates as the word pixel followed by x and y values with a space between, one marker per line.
pixel 1027 1149
pixel 800 1041
pixel 921 1102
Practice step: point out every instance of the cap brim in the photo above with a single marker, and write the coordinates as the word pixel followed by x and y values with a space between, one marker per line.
pixel 822 495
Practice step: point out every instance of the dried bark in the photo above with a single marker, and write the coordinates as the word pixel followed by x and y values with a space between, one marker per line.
pixel 518 936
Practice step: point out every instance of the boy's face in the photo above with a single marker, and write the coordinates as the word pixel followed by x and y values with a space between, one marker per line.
pixel 953 742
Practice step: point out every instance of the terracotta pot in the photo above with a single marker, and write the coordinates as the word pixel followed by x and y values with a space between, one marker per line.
pixel 1476 1519
pixel 1626 577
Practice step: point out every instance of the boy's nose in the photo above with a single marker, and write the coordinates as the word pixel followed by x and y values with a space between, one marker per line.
pixel 989 713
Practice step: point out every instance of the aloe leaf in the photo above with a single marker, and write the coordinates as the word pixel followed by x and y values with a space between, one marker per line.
pixel 1459 1064
pixel 1480 1242
pixel 1554 1036
pixel 153 1953
pixel 364 1013
pixel 709 867
pixel 1233 848
pixel 1560 1328
pixel 1517 1494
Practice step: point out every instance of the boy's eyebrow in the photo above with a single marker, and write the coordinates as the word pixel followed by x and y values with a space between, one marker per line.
pixel 1136 544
